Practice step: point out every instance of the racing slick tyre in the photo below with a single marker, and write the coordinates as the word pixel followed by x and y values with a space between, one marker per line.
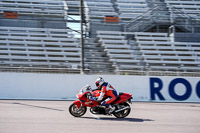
pixel 123 113
pixel 73 109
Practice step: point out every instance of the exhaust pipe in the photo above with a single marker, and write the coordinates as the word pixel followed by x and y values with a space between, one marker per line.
pixel 122 109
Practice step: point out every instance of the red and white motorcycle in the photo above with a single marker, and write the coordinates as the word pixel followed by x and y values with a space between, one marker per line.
pixel 79 107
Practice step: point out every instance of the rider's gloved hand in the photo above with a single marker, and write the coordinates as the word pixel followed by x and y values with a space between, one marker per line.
pixel 92 98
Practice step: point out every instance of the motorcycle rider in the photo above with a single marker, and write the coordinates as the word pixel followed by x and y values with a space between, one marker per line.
pixel 107 90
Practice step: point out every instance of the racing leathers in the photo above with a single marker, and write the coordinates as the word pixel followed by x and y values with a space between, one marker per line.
pixel 108 91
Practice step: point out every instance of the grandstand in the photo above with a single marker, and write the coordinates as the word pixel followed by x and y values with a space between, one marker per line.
pixel 139 37
pixel 38 47
pixel 130 9
pixel 33 13
pixel 190 7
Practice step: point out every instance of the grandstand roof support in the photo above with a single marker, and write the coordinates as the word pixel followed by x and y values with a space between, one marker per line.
pixel 82 38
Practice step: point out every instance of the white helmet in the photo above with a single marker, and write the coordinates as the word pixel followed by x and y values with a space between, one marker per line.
pixel 99 81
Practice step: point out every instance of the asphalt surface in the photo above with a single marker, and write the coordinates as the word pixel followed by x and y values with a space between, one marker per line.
pixel 20 116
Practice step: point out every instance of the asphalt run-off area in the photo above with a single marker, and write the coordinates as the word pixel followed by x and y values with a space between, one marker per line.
pixel 26 116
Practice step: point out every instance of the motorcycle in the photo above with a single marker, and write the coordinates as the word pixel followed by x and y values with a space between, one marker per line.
pixel 79 107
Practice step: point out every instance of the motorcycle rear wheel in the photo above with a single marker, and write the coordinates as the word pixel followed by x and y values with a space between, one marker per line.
pixel 77 112
pixel 123 113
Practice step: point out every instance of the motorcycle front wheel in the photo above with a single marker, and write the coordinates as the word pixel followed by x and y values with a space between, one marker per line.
pixel 77 112
pixel 123 113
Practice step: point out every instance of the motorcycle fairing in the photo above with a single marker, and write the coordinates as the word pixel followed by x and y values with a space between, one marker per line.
pixel 77 103
pixel 122 98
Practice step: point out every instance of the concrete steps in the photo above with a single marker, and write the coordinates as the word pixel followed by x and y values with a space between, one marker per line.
pixel 96 59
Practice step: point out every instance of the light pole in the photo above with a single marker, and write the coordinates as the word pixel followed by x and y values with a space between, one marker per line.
pixel 82 38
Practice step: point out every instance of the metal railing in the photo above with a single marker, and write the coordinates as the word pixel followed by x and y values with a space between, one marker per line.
pixel 180 18
pixel 148 19
pixel 153 17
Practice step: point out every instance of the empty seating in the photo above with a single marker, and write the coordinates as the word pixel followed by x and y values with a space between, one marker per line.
pixel 73 7
pixel 161 54
pixel 190 7
pixel 50 47
pixel 119 51
pixel 38 47
pixel 130 9
pixel 153 52
pixel 35 7
pixel 97 10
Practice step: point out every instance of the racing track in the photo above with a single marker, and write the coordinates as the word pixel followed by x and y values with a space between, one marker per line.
pixel 20 116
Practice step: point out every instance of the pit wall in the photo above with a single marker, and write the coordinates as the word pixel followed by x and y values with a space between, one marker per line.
pixel 65 86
